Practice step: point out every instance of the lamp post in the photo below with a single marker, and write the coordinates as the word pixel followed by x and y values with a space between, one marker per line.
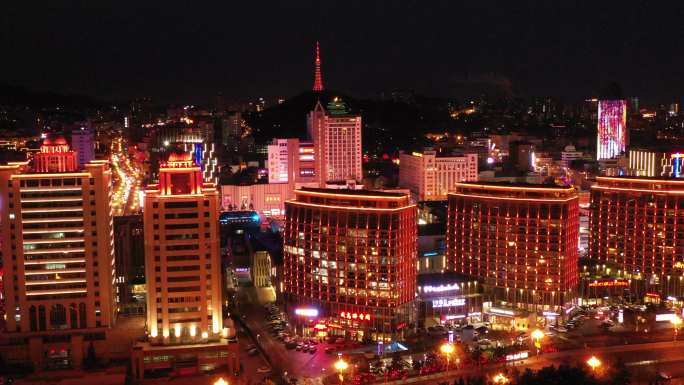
pixel 593 363
pixel 341 365
pixel 447 349
pixel 676 322
pixel 537 335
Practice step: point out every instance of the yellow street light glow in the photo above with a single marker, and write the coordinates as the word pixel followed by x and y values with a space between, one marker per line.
pixel 537 334
pixel 447 348
pixel 593 362
pixel 221 381
pixel 500 378
pixel 341 365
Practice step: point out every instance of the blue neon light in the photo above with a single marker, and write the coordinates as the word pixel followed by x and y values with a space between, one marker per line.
pixel 676 167
pixel 198 155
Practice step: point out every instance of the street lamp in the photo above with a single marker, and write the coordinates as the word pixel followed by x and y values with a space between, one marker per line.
pixel 537 335
pixel 341 365
pixel 500 379
pixel 221 381
pixel 593 363
pixel 675 321
pixel 447 349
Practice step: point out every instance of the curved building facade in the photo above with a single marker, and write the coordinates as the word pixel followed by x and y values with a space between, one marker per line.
pixel 350 262
pixel 519 241
pixel 637 230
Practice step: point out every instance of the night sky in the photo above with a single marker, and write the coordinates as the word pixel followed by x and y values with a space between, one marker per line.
pixel 190 51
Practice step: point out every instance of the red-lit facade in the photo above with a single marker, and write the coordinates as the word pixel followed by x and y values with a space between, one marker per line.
pixel 637 230
pixel 519 240
pixel 351 256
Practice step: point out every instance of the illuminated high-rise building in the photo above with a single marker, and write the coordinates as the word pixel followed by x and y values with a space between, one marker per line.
pixel 336 135
pixel 431 177
pixel 636 231
pixel 519 240
pixel 290 161
pixel 612 129
pixel 350 261
pixel 182 270
pixel 83 143
pixel 58 257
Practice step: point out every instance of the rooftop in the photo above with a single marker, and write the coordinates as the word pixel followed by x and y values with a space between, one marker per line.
pixel 515 185
pixel 352 192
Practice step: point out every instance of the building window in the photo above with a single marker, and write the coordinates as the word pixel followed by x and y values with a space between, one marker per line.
pixel 58 317
pixel 82 315
pixel 33 319
pixel 42 324
pixel 73 316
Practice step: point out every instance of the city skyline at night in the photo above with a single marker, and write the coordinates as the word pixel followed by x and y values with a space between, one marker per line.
pixel 341 193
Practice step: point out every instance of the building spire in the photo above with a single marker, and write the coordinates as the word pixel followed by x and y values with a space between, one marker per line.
pixel 318 77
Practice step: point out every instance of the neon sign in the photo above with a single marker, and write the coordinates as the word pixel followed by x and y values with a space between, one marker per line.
pixel 441 288
pixel 609 284
pixel 306 312
pixel 355 316
pixel 517 356
pixel 495 310
pixel 448 302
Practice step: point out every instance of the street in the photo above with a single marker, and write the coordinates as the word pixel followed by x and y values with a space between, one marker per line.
pixel 127 180
pixel 297 364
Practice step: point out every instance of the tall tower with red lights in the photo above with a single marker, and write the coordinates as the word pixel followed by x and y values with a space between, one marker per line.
pixel 318 77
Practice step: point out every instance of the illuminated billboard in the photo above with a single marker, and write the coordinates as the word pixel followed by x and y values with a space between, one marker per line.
pixel 612 129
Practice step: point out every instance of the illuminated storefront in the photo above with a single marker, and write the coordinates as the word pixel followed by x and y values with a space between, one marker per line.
pixel 447 298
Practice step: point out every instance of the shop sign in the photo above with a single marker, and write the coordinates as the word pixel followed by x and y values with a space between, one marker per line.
pixel 497 311
pixel 306 312
pixel 355 316
pixel 517 356
pixel 447 302
pixel 615 283
pixel 440 288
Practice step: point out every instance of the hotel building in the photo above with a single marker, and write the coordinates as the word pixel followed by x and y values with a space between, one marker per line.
pixel 182 270
pixel 350 262
pixel 431 177
pixel 290 161
pixel 519 241
pixel 336 135
pixel 637 231
pixel 58 258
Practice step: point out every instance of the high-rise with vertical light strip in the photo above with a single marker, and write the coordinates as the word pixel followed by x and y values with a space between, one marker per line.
pixel 58 256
